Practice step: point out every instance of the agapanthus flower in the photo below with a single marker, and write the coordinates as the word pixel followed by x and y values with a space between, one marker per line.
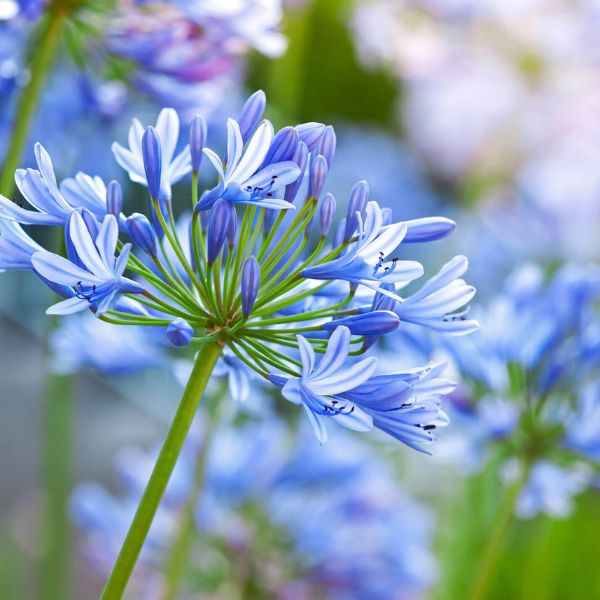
pixel 222 277
pixel 173 167
pixel 100 280
pixel 530 377
pixel 253 477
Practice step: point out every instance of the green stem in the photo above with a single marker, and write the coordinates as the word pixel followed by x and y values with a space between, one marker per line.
pixel 26 105
pixel 56 469
pixel 178 555
pixel 492 553
pixel 203 367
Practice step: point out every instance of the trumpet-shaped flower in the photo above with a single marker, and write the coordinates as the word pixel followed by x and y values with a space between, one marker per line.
pixel 243 180
pixel 96 286
pixel 434 305
pixel 405 404
pixel 364 263
pixel 174 167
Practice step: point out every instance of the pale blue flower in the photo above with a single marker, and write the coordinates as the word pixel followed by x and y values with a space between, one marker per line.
pixel 174 167
pixel 404 404
pixel 102 280
pixel 551 489
pixel 244 179
pixel 365 260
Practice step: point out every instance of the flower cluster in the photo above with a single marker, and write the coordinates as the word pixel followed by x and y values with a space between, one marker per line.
pixel 253 268
pixel 284 520
pixel 531 378
pixel 188 55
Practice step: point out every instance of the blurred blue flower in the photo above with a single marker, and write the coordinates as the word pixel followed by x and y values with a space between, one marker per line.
pixel 253 478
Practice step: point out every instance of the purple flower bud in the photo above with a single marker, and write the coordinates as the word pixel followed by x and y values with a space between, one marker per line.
pixel 282 147
pixel 428 229
pixel 232 227
pixel 197 141
pixel 381 302
pixel 142 234
pixel 378 322
pixel 180 333
pixel 326 213
pixel 114 198
pixel 327 144
pixel 318 174
pixel 250 285
pixel 218 223
pixel 152 156
pixel 252 113
pixel 359 196
pixel 300 157
pixel 310 134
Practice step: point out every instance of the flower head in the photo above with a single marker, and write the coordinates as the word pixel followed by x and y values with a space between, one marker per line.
pixel 247 278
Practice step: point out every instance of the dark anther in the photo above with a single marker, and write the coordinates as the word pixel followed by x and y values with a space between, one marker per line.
pixel 428 427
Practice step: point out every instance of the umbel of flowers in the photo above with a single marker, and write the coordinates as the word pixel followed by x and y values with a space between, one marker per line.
pixel 254 269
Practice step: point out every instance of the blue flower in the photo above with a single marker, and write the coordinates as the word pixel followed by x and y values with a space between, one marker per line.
pixel 364 263
pixel 242 180
pixel 435 304
pixel 550 489
pixel 404 404
pixel 82 341
pixel 102 279
pixel 16 247
pixel 174 167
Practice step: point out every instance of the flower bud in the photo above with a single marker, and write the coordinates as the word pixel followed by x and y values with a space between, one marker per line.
pixel 142 234
pixel 300 157
pixel 327 144
pixel 179 333
pixel 250 285
pixel 318 174
pixel 152 155
pixel 218 223
pixel 197 141
pixel 428 229
pixel 359 196
pixel 377 322
pixel 310 134
pixel 232 227
pixel 114 198
pixel 326 213
pixel 252 113
pixel 282 147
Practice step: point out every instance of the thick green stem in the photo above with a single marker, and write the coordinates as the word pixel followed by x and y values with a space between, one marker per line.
pixel 26 105
pixel 57 486
pixel 484 576
pixel 203 367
